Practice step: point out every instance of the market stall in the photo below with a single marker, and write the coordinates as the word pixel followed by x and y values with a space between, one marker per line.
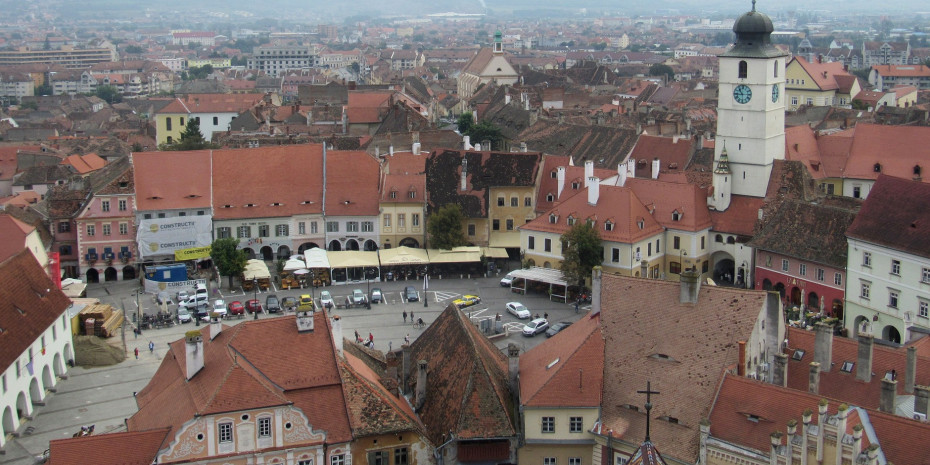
pixel 353 265
pixel 403 262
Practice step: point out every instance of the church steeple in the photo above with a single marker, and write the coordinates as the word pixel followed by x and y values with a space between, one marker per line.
pixel 498 42
pixel 723 164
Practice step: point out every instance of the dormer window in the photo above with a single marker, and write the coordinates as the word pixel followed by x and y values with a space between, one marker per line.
pixel 550 197
pixel 676 216
pixel 877 168
pixel 591 223
pixel 571 220
pixel 412 194
pixel 227 206
pixel 250 205
pixel 575 185
pixel 393 194
pixel 553 219
pixel 608 226
pixel 916 170
pixel 641 223
pixel 552 174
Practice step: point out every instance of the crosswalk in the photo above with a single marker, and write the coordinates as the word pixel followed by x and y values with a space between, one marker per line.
pixel 441 295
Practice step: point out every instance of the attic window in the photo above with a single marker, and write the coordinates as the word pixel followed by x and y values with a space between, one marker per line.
pixel 669 419
pixel 306 202
pixel 753 418
pixel 155 197
pixel 676 216
pixel 608 226
pixel 553 219
pixel 916 170
pixel 123 184
pixel 250 205
pixel 227 206
pixel 631 407
pixel 21 311
pixel 591 223
pixel 191 196
pixel 552 174
pixel 550 197
pixel 847 367
pixel 877 168
pixel 664 357
pixel 393 194
pixel 641 223
pixel 412 194
pixel 277 204
pixel 571 220
pixel 575 185
pixel 552 363
pixel 798 354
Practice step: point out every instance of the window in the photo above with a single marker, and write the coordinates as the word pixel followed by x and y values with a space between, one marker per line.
pixel 892 298
pixel 301 228
pixel 847 366
pixel 574 461
pixel 575 424
pixel 548 424
pixel 615 255
pixel 550 197
pixel 305 462
pixel 106 230
pixel 608 226
pixel 838 279
pixel 263 230
pixel 553 219
pixel 264 427
pixel 923 308
pixel 64 250
pixel 121 205
pixel 743 69
pixel 531 243
pixel 784 265
pixel 702 242
pixel 549 461
pixel 514 202
pixel 182 213
pixel 244 232
pixel 400 456
pixel 802 269
pixel 674 268
pixel 496 225
pixel 412 194
pixel 4 383
pixel 64 226
pixel 820 274
pixel 216 120
pixel 810 101
pixel 223 233
pixel 352 226
pixel 161 215
pixel 181 121
pixel 509 224
pixel 867 259
pixel 571 221
pixel 857 192
pixel 368 226
pixel 896 267
pixel 415 220
pixel 676 242
pixel 471 229
pixel 225 432
pixel 794 101
pixel 147 216
pixel 281 230
pixel 387 220
pixel 337 459
pixel 401 220
pixel 865 290
pixel 547 245
pixel 775 74
pixel 500 201
pixel 314 228
pixel 332 226
pixel 925 275
pixel 168 124
pixel 91 230
pixel 527 201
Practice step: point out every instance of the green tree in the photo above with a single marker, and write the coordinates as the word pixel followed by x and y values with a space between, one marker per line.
pixel 465 122
pixel 133 50
pixel 581 252
pixel 44 89
pixel 445 227
pixel 485 130
pixel 659 69
pixel 200 72
pixel 228 258
pixel 109 94
pixel 191 138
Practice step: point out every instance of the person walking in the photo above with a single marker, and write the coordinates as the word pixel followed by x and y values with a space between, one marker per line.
pixel 411 316
pixel 576 306
pixel 151 347
pixel 546 315
pixel 357 337
pixel 407 339
pixel 405 316
pixel 137 353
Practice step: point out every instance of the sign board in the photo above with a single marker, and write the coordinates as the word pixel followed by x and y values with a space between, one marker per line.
pixel 165 236
pixel 172 287
pixel 192 254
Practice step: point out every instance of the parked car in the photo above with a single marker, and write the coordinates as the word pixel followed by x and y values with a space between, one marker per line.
pixel 236 308
pixel 507 280
pixel 195 301
pixel 358 297
pixel 272 304
pixel 535 327
pixel 182 296
pixel 376 295
pixel 518 310
pixel 184 316
pixel 326 300
pixel 219 306
pixel 554 329
pixel 253 306
pixel 290 303
pixel 163 298
pixel 410 293
pixel 467 301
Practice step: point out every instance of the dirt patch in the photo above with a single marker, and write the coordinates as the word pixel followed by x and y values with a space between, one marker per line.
pixel 93 351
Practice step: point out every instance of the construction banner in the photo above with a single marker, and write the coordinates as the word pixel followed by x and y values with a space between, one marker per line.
pixel 165 236
pixel 192 254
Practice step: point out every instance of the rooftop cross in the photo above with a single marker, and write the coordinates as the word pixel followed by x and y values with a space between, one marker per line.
pixel 649 392
pixel 753 5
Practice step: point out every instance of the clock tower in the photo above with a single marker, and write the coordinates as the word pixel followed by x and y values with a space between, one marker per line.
pixel 750 109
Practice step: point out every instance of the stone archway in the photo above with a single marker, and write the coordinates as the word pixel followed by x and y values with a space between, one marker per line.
pixel 890 333
pixel 57 366
pixel 267 253
pixel 795 296
pixel 35 392
pixel 110 274
pixel 129 272
pixel 813 301
pixel 766 284
pixel 861 324
pixel 284 252
pixel 724 271
pixel 410 242
pixel 48 382
pixel 352 244
pixel 23 409
pixel 371 246
pixel 780 287
pixel 9 424
pixel 334 246
pixel 306 246
pixel 249 253
pixel 93 276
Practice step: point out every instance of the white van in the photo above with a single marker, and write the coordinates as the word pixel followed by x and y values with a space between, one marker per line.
pixel 200 289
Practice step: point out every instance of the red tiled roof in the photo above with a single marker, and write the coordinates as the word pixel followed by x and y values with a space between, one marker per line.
pixel 8 159
pixel 172 180
pixel 367 107
pixel 566 371
pixel 682 349
pixel 29 304
pixel 14 233
pixel 21 199
pixel 902 70
pixel 906 226
pixel 740 217
pixel 401 185
pixel 287 175
pixel 834 151
pixel 671 151
pixel 801 145
pixel 823 74
pixel 872 143
pixel 837 384
pixel 406 163
pixel 372 409
pixel 212 103
pixel 352 183
pixel 550 185
pixel 84 164
pixel 127 448
pixel 666 198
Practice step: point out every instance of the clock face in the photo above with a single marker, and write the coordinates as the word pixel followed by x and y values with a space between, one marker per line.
pixel 742 93
pixel 774 93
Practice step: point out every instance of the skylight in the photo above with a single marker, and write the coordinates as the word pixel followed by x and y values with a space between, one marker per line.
pixel 847 367
pixel 798 354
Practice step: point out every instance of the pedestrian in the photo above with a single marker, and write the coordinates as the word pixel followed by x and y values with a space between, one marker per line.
pixel 576 306
pixel 137 353
pixel 390 346
pixel 407 339
pixel 151 347
pixel 371 338
pixel 405 316
pixel 536 317
pixel 411 316
pixel 135 331
pixel 357 337
pixel 546 315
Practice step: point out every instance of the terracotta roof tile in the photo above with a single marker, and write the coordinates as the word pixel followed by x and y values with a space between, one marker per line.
pixel 664 199
pixel 904 227
pixel 372 409
pixel 84 164
pixel 567 370
pixel 549 183
pixel 172 180
pixel 672 152
pixel 740 218
pixel 812 232
pixel 352 183
pixel 212 103
pixel 872 143
pixel 902 70
pixel 128 448
pixel 823 74
pixel 14 233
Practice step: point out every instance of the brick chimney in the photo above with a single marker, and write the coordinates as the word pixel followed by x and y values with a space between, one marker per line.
pixel 910 371
pixel 513 360
pixel 864 362
pixel 921 399
pixel 304 322
pixel 813 378
pixel 823 346
pixel 193 354
pixel 779 370
pixel 690 285
pixel 656 166
pixel 336 323
pixel 421 385
pixel 594 189
pixel 560 177
pixel 888 395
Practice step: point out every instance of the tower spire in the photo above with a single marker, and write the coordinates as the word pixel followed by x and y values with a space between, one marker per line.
pixel 753 5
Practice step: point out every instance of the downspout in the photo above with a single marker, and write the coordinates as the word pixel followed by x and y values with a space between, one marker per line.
pixel 437 452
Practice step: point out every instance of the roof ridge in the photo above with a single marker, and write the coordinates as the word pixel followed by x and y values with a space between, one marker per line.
pixel 562 365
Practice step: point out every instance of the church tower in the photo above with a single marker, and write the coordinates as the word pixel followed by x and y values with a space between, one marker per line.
pixel 750 109
pixel 498 43
pixel 720 200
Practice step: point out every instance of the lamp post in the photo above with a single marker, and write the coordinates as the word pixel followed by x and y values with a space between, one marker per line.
pixel 369 273
pixel 255 295
pixel 425 285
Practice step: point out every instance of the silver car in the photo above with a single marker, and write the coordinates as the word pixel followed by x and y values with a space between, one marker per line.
pixel 518 310
pixel 535 327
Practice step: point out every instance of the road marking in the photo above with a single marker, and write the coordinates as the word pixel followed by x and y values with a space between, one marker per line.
pixel 442 295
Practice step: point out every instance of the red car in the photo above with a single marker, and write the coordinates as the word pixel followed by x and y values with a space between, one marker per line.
pixel 235 308
pixel 253 306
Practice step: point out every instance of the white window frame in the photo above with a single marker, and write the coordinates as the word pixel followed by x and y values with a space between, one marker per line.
pixel 264 427
pixel 865 290
pixel 896 267
pixel 224 432
pixel 894 298
pixel 547 424
pixel 867 259
pixel 785 265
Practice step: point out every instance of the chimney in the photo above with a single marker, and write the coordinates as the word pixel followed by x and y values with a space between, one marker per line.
pixel 507 99
pixel 466 141
pixel 478 147
pixel 305 322
pixel 513 360
pixel 631 168
pixel 813 378
pixel 523 147
pixel 588 171
pixel 594 190
pixel 336 323
pixel 526 102
pixel 421 385
pixel 921 398
pixel 889 392
pixel 464 175
pixel 193 354
pixel 864 364
pixel 416 148
pixel 216 327
pixel 779 368
pixel 377 151
pixel 405 369
pixel 560 175
pixel 391 150
pixel 596 274
pixel 823 346
pixel 910 370
pixel 655 168
pixel 690 284
pixel 741 360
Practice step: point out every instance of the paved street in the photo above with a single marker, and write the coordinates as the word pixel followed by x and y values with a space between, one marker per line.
pixel 104 396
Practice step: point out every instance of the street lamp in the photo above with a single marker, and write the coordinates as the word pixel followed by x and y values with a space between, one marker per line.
pixel 425 285
pixel 369 273
pixel 255 296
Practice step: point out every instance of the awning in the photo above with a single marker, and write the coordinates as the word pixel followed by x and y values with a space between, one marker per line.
pixel 255 269
pixel 542 275
pixel 494 252
pixel 292 265
pixel 505 240
pixel 316 258
pixel 403 256
pixel 352 259
pixel 456 255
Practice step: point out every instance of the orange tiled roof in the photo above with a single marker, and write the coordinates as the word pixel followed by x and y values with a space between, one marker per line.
pixel 566 371
pixel 801 145
pixel 372 409
pixel 902 70
pixel 14 233
pixel 872 143
pixel 212 103
pixel 549 183
pixel 8 159
pixel 172 180
pixel 84 164
pixel 740 217
pixel 126 448
pixel 671 151
pixel 663 199
pixel 823 74
pixel 352 183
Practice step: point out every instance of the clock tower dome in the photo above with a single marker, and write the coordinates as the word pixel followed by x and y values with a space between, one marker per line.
pixel 751 107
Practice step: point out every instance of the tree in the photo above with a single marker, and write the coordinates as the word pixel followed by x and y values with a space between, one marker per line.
pixel 191 138
pixel 228 258
pixel 581 252
pixel 445 227
pixel 485 130
pixel 109 94
pixel 465 122
pixel 659 69
pixel 133 50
